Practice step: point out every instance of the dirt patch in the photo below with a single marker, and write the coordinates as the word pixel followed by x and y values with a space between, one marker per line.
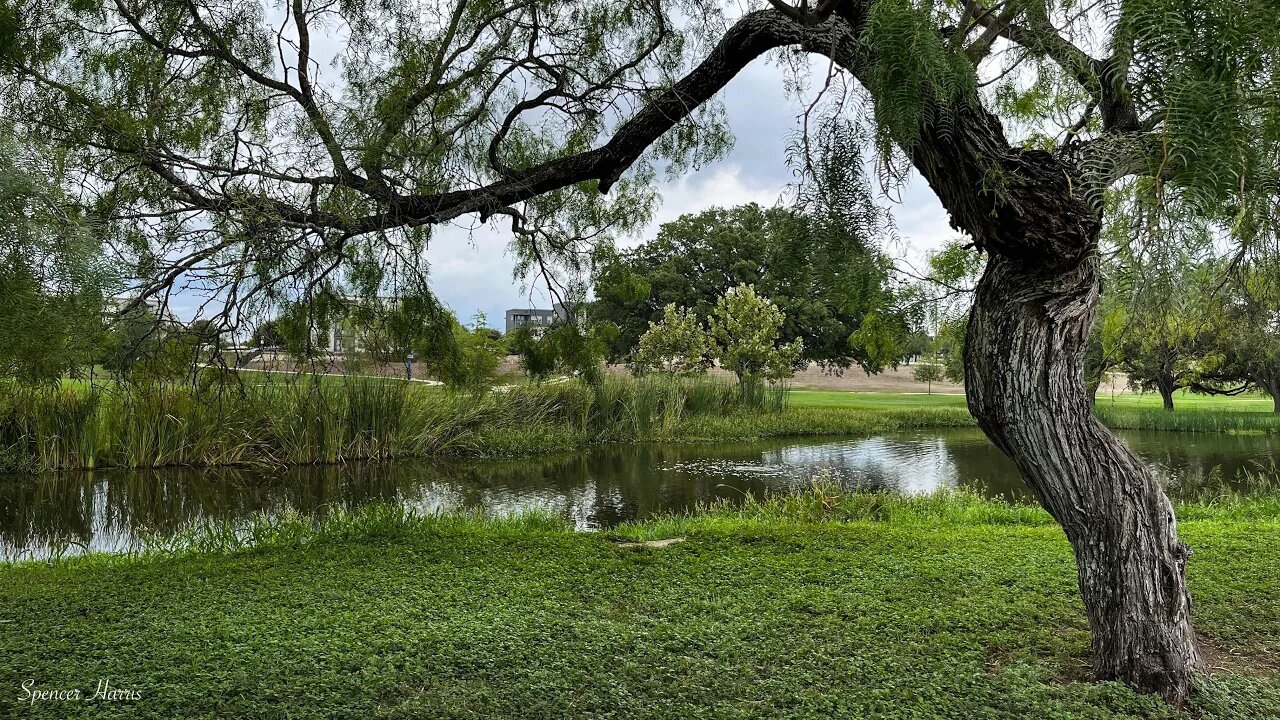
pixel 1216 659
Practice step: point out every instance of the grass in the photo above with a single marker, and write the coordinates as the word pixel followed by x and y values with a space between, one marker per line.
pixel 1250 414
pixel 333 420
pixel 822 605
pixel 329 419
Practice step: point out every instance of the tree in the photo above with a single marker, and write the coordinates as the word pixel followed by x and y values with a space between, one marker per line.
pixel 929 372
pixel 470 362
pixel 53 278
pixel 823 273
pixel 266 334
pixel 747 328
pixel 677 345
pixel 1243 347
pixel 564 347
pixel 220 149
pixel 1161 286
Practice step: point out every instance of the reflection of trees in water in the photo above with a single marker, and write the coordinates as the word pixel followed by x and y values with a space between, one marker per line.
pixel 596 488
pixel 113 510
pixel 108 510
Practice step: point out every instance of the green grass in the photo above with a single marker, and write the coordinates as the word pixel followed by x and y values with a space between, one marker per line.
pixel 1183 400
pixel 334 419
pixel 1250 414
pixel 858 606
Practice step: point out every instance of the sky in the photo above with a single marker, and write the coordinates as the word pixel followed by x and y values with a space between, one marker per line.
pixel 471 270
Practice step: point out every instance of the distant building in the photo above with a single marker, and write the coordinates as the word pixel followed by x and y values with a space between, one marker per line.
pixel 116 305
pixel 537 320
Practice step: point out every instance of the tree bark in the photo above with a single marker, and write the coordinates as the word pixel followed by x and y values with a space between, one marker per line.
pixel 1273 389
pixel 1024 375
pixel 1166 393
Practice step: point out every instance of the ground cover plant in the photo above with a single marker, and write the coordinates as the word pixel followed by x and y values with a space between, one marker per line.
pixel 819 605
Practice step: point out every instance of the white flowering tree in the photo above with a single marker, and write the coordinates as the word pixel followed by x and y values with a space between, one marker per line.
pixel 746 327
pixel 676 345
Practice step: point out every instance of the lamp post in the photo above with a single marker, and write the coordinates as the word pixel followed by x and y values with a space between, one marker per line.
pixel 408 367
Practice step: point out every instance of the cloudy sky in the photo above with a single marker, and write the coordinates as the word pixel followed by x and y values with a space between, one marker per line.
pixel 472 271
pixel 471 268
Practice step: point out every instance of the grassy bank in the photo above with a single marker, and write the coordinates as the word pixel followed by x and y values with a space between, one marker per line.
pixel 1195 413
pixel 860 606
pixel 329 421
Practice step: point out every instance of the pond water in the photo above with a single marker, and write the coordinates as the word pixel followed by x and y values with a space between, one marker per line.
pixel 597 488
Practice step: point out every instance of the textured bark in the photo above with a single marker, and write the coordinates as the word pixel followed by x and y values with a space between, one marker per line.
pixel 1024 374
pixel 1273 389
pixel 1164 384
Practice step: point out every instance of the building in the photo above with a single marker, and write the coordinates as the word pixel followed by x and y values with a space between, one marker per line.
pixel 115 307
pixel 536 319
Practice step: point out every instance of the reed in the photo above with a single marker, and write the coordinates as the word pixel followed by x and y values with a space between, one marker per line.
pixel 308 419
pixel 277 420
pixel 1190 420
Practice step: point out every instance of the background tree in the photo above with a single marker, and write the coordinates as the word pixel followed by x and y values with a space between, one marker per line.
pixel 53 277
pixel 1243 347
pixel 470 362
pixel 929 372
pixel 565 347
pixel 676 345
pixel 825 275
pixel 223 154
pixel 747 328
pixel 266 334
pixel 1162 285
pixel 941 300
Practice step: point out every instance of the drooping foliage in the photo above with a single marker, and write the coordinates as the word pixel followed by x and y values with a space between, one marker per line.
pixel 53 276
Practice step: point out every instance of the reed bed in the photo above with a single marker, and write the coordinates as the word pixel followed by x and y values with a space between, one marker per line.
pixel 326 420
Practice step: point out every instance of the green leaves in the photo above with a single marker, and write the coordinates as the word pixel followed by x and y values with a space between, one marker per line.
pixel 913 70
pixel 746 329
pixel 677 345
pixel 1209 71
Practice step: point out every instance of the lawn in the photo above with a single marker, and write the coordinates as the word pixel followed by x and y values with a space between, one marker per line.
pixel 925 608
pixel 1183 400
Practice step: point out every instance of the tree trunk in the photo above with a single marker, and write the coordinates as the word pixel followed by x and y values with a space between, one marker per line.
pixel 1024 376
pixel 1164 384
pixel 1272 386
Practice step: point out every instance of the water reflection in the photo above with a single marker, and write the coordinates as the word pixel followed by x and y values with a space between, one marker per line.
pixel 599 488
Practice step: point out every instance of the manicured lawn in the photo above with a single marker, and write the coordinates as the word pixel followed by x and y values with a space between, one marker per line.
pixel 933 611
pixel 1183 400
pixel 871 400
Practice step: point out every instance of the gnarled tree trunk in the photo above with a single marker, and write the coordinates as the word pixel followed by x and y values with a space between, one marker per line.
pixel 1024 374
pixel 1271 384
pixel 1038 216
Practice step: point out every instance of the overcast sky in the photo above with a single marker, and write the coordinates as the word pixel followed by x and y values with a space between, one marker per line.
pixel 473 271
pixel 471 268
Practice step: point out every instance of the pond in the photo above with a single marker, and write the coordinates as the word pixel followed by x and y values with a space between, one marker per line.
pixel 597 488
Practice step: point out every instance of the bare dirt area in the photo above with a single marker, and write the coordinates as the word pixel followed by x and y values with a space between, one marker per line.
pixel 851 380
pixel 854 379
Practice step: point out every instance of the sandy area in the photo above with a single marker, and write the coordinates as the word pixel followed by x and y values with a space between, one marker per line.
pixel 812 378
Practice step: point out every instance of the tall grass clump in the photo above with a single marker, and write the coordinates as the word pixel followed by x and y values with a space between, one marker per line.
pixel 265 420
pixel 1194 420
pixel 48 427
